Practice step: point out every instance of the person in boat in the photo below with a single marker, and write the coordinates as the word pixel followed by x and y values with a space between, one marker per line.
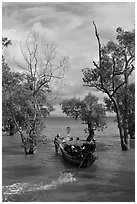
pixel 68 149
pixel 68 137
pixel 94 144
pixel 72 150
pixel 56 142
pixel 68 133
pixel 77 152
pixel 89 147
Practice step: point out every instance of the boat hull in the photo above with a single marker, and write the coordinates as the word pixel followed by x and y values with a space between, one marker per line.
pixel 76 161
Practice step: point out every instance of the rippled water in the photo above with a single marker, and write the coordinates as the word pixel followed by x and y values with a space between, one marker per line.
pixel 21 188
pixel 46 177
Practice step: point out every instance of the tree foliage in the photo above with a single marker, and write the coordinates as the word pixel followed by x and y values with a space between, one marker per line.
pixel 88 110
pixel 25 96
pixel 8 80
pixel 116 62
pixel 131 106
pixel 115 65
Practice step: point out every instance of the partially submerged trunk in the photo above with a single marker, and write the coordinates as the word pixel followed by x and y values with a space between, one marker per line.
pixel 90 131
pixel 125 114
pixel 29 147
pixel 29 142
pixel 121 127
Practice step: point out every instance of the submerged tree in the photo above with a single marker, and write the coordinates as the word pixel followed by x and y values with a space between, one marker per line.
pixel 131 106
pixel 10 85
pixel 116 64
pixel 88 110
pixel 29 99
pixel 9 80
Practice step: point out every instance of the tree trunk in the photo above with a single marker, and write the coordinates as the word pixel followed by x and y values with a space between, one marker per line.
pixel 32 141
pixel 124 144
pixel 11 129
pixel 91 131
pixel 125 127
pixel 125 114
pixel 29 145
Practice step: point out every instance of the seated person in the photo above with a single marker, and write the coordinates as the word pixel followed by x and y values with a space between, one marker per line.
pixel 89 147
pixel 68 149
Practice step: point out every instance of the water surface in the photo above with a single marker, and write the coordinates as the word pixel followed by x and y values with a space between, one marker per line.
pixel 46 177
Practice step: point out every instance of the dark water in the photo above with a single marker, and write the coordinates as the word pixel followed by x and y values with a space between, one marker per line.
pixel 46 177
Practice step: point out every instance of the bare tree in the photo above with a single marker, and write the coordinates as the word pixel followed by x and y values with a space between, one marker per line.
pixel 41 68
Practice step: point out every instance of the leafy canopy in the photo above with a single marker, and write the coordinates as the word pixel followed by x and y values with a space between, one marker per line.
pixel 88 110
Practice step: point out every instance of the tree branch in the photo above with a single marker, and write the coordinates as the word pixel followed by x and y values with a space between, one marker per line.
pixel 118 88
pixel 99 43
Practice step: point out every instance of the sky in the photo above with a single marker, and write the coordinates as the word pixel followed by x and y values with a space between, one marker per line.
pixel 69 25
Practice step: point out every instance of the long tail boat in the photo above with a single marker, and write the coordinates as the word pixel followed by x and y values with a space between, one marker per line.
pixel 77 152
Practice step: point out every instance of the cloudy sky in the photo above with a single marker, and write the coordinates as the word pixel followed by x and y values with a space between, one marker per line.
pixel 69 25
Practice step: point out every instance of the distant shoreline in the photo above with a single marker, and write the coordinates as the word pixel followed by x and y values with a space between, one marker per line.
pixel 70 118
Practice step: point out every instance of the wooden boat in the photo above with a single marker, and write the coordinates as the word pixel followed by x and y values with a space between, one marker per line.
pixel 77 160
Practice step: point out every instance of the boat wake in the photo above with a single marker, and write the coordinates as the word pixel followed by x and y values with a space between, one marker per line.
pixel 20 188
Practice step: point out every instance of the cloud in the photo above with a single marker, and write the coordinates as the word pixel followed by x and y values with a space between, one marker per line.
pixel 69 24
pixel 75 90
